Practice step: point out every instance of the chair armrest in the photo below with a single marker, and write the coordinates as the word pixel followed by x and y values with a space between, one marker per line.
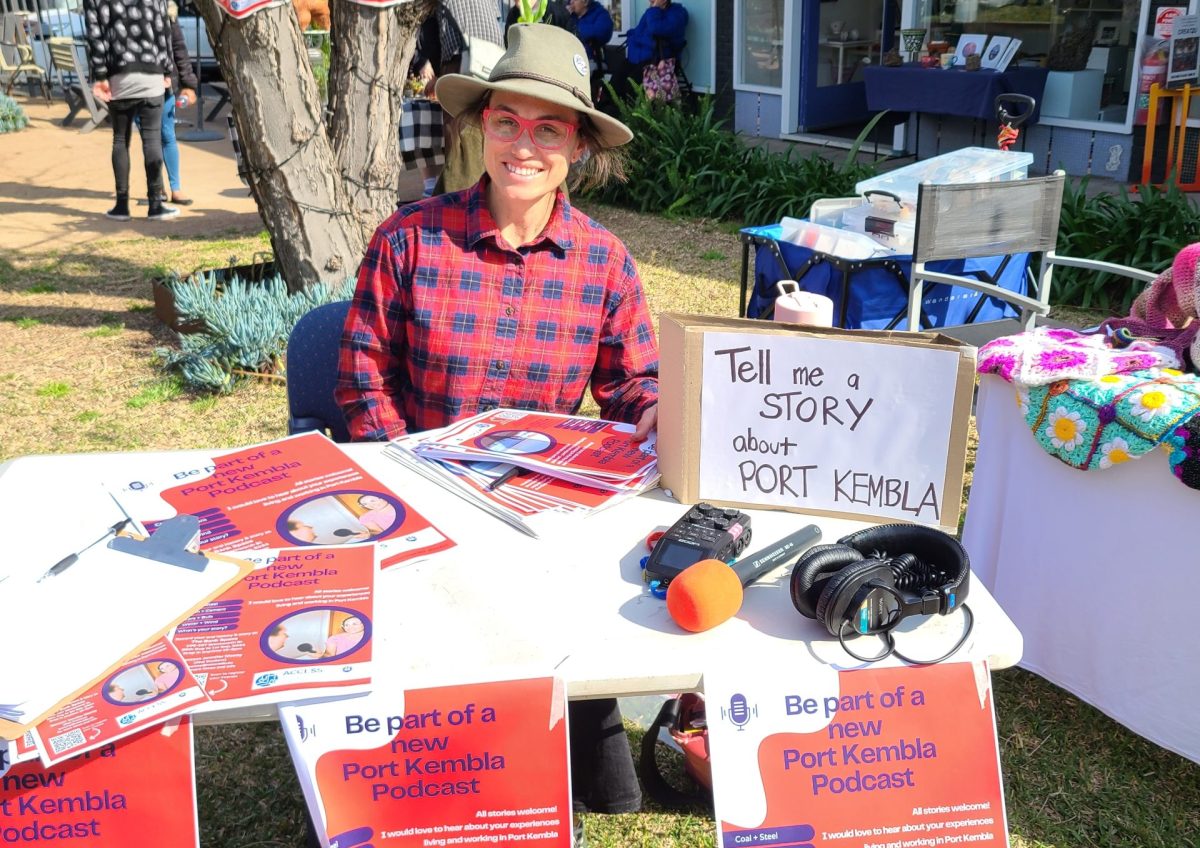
pixel 1101 267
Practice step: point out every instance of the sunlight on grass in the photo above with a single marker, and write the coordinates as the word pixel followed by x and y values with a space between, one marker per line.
pixel 139 307
pixel 87 417
pixel 41 288
pixel 54 390
pixel 163 389
pixel 106 330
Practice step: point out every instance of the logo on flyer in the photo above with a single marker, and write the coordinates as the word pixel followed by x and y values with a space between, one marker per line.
pixel 265 679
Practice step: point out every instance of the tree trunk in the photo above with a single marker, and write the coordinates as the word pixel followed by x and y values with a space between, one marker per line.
pixel 300 196
pixel 372 49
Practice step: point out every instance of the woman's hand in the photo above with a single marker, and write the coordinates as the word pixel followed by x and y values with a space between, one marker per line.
pixel 102 90
pixel 188 97
pixel 646 423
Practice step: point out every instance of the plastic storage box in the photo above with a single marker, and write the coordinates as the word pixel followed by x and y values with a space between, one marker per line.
pixel 884 219
pixel 968 165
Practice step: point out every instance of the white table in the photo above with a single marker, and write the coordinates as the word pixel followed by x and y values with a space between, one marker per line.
pixel 501 602
pixel 840 47
pixel 1096 568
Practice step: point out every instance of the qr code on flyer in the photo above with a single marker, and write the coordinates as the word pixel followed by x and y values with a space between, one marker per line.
pixel 66 741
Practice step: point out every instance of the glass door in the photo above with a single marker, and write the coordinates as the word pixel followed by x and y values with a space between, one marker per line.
pixel 839 39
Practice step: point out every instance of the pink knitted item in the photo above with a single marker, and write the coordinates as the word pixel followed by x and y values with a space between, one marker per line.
pixel 1170 300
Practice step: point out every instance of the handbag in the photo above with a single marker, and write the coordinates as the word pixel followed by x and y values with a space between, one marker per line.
pixel 683 717
pixel 660 81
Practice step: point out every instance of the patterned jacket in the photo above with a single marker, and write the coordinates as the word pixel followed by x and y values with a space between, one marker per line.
pixel 127 36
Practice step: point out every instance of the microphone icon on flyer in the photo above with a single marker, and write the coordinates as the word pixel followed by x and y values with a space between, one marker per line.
pixel 740 711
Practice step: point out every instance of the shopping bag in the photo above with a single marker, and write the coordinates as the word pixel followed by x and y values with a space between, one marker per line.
pixel 660 81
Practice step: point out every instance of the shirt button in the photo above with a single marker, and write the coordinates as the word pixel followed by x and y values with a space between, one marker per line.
pixel 508 310
pixel 500 366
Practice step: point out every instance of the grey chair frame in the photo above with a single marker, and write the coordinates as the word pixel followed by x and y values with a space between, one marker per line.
pixel 969 220
pixel 16 56
pixel 76 87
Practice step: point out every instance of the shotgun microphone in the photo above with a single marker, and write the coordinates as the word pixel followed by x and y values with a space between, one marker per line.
pixel 709 592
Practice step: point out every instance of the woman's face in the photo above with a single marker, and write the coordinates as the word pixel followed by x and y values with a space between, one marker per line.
pixel 352 625
pixel 372 502
pixel 522 172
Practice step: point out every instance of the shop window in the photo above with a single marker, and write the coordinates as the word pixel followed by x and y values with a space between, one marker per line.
pixel 1088 44
pixel 761 43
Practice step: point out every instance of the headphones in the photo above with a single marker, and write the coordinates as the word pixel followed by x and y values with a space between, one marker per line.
pixel 870 581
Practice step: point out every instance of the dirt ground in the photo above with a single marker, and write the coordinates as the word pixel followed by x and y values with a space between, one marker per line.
pixel 56 183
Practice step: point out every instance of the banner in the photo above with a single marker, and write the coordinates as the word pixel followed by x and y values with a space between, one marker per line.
pixel 472 764
pixel 139 791
pixel 875 758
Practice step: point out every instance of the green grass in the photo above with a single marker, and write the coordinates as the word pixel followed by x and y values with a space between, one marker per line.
pixel 107 330
pixel 54 390
pixel 160 391
pixel 41 288
pixel 24 322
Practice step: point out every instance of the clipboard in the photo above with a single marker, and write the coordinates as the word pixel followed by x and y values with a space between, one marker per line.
pixel 69 630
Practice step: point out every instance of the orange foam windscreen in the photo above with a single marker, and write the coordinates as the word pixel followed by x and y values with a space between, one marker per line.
pixel 704 595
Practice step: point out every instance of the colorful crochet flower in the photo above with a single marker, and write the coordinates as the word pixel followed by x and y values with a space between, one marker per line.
pixel 1065 428
pixel 1153 400
pixel 1113 452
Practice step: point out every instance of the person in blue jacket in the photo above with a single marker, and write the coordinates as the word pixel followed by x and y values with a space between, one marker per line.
pixel 593 26
pixel 662 26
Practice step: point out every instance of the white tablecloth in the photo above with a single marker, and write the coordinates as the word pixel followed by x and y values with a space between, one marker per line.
pixel 503 603
pixel 1098 569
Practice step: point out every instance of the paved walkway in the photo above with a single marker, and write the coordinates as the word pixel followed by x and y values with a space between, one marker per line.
pixel 56 184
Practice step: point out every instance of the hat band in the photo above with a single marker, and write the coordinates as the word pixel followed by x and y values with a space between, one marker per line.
pixel 582 95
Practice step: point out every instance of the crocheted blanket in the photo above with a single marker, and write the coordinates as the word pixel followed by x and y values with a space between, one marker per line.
pixel 1047 354
pixel 1101 422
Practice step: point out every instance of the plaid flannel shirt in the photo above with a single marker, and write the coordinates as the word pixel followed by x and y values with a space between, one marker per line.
pixel 448 321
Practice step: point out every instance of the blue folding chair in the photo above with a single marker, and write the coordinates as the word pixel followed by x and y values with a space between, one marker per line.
pixel 312 365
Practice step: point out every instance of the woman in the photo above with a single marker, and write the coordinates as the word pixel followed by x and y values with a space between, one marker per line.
pixel 659 35
pixel 379 516
pixel 129 51
pixel 347 640
pixel 506 295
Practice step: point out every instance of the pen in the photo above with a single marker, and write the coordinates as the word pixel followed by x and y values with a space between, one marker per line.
pixel 69 560
pixel 512 472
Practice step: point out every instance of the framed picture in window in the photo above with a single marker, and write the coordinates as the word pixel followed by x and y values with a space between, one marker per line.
pixel 1107 32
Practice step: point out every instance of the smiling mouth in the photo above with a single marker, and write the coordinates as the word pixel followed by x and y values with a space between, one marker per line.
pixel 522 171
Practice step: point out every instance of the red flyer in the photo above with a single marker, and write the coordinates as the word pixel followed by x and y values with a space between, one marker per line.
pixel 569 446
pixel 302 620
pixel 295 492
pixel 875 758
pixel 245 8
pixel 472 764
pixel 138 791
pixel 146 689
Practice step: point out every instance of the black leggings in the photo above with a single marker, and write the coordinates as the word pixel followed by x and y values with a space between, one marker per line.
pixel 149 112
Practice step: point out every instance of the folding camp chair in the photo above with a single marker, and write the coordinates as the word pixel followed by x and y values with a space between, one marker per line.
pixel 16 55
pixel 76 87
pixel 1007 218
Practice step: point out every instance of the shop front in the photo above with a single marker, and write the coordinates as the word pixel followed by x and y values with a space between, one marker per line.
pixel 799 69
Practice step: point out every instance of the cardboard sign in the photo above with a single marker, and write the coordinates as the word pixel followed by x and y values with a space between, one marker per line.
pixel 472 764
pixel 876 758
pixel 1164 19
pixel 838 422
pixel 139 791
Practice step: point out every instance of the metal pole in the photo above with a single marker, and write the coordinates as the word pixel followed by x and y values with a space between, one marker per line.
pixel 199 133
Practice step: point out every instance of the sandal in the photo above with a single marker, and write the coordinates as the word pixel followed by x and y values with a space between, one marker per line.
pixel 180 201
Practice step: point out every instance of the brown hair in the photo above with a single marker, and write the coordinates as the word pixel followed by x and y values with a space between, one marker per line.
pixel 595 168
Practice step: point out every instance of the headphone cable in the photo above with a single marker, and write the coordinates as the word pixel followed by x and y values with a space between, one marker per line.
pixel 962 641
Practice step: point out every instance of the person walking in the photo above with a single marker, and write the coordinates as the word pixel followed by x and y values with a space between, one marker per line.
pixel 129 53
pixel 184 85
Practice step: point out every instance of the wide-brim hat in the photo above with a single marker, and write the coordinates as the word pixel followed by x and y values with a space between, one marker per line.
pixel 541 61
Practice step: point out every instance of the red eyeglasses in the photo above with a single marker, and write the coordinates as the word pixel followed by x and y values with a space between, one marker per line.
pixel 546 133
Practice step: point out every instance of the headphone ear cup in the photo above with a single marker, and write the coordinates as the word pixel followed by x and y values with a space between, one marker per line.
pixel 840 589
pixel 813 570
